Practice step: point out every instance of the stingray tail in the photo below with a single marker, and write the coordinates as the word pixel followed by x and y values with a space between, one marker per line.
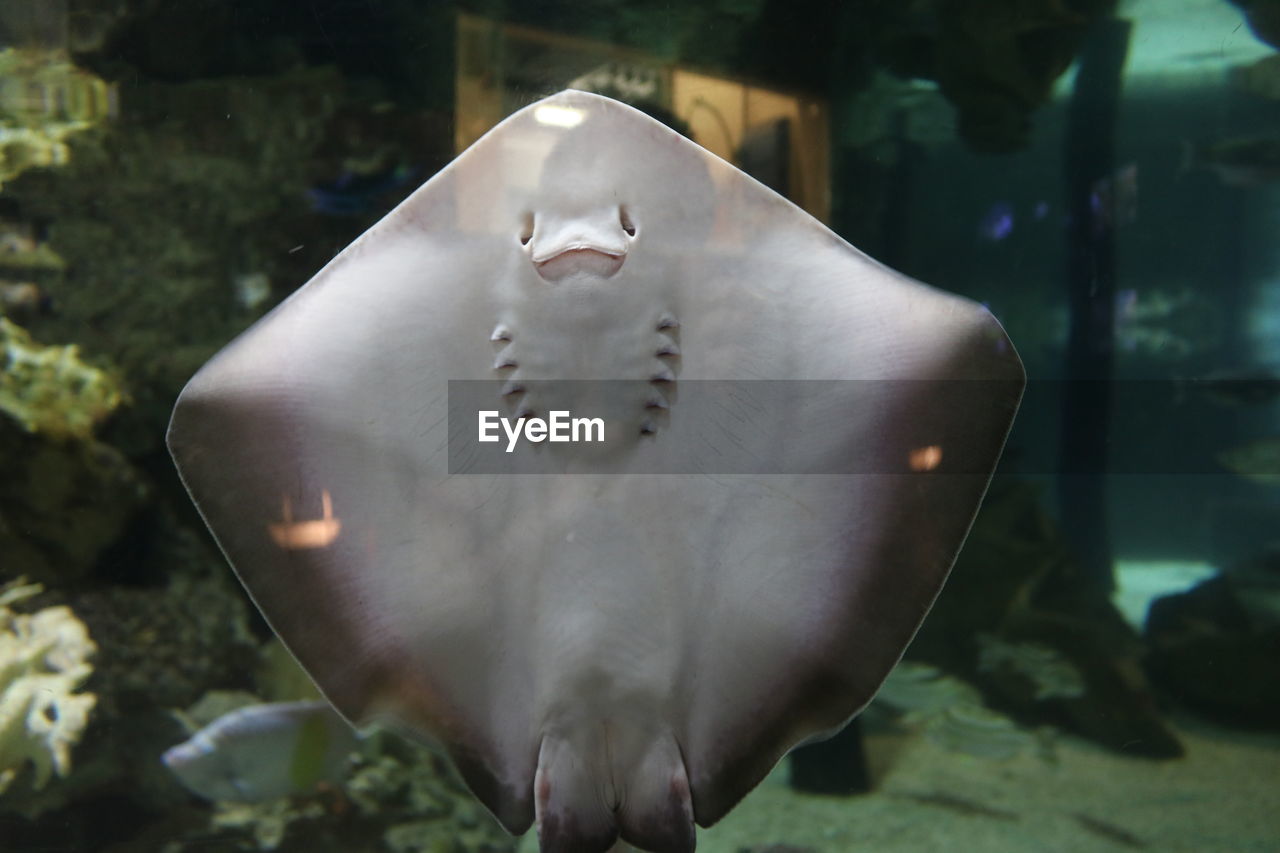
pixel 580 810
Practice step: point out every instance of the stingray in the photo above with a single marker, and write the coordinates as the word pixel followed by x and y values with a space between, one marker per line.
pixel 622 642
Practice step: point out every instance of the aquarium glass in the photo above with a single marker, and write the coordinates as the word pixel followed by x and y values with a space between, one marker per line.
pixel 1101 671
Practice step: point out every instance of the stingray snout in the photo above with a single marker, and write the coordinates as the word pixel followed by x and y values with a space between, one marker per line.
pixel 595 245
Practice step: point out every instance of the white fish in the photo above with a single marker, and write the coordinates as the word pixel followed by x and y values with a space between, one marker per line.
pixel 261 752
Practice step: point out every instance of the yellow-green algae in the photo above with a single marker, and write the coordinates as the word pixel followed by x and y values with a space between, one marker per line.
pixel 49 390
pixel 44 99
pixel 44 658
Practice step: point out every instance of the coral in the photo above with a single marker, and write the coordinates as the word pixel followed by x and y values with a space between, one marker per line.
pixel 48 389
pixel 43 100
pixel 165 647
pixel 421 803
pixel 62 504
pixel 158 218
pixel 267 822
pixel 44 658
pixel 21 298
pixel 22 251
pixel 159 648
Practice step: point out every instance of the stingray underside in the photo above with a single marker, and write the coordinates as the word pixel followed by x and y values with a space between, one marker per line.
pixel 622 643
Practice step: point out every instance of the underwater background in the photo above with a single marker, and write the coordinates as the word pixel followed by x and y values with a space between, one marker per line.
pixel 1102 670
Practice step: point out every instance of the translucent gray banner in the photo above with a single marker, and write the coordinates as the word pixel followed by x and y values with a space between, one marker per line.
pixel 722 427
pixel 854 427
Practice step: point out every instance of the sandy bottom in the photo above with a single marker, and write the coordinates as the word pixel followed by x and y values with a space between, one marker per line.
pixel 1223 795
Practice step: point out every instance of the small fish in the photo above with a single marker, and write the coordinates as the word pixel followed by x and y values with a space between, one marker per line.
pixel 1260 570
pixel 955 803
pixel 1247 161
pixel 978 731
pixel 23 298
pixel 261 752
pixel 1170 324
pixel 354 194
pixel 251 290
pixel 1109 831
pixel 1257 461
pixel 22 248
pixel 1113 200
pixel 1262 78
pixel 1243 387
pixel 997 223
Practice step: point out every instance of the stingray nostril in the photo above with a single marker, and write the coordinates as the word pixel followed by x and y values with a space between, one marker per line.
pixel 526 229
pixel 624 219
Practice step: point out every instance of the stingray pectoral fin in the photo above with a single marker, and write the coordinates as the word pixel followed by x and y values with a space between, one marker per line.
pixel 420 663
pixel 866 550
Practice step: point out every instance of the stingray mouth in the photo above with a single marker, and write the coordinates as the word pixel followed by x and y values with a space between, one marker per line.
pixel 587 260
